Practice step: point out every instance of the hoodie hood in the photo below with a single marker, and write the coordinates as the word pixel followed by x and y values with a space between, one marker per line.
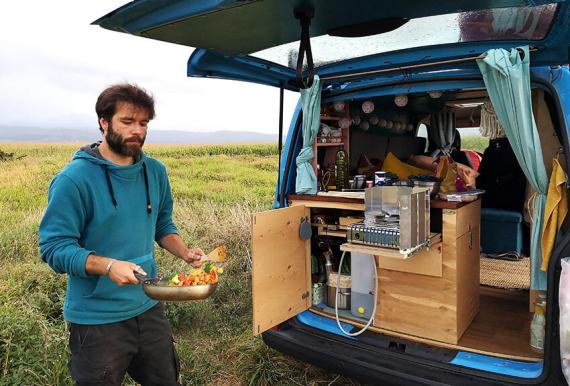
pixel 92 154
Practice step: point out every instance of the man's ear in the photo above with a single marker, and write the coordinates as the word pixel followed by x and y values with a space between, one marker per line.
pixel 104 124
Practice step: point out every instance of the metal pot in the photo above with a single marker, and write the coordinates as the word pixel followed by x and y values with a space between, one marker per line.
pixel 429 182
pixel 343 295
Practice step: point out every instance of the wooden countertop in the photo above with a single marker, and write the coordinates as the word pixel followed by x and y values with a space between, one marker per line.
pixel 358 198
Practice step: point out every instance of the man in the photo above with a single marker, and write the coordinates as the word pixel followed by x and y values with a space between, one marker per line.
pixel 105 210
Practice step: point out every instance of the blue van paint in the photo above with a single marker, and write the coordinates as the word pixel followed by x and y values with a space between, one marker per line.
pixel 287 148
pixel 497 365
pixel 326 324
pixel 519 369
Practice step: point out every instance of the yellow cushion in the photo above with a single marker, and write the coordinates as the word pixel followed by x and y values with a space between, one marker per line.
pixel 403 170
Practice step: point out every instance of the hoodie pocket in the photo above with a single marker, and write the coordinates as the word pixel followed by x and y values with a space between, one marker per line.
pixel 108 295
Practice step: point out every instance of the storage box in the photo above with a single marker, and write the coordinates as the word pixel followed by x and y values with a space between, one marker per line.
pixel 501 231
pixel 417 301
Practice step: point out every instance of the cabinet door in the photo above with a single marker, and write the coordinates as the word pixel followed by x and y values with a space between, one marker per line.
pixel 281 276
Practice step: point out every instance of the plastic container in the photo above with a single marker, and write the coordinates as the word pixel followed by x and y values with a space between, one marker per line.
pixel 537 328
pixel 362 272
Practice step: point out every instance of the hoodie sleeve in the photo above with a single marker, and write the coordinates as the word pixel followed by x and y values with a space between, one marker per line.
pixel 61 228
pixel 164 223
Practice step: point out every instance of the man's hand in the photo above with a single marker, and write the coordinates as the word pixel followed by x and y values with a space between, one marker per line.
pixel 121 272
pixel 194 256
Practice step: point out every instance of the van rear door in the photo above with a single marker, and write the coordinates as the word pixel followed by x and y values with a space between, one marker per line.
pixel 256 41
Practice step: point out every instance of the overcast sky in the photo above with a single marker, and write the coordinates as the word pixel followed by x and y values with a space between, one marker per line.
pixel 54 64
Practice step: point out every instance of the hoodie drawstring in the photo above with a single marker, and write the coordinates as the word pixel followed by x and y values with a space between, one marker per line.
pixel 148 205
pixel 111 191
pixel 110 185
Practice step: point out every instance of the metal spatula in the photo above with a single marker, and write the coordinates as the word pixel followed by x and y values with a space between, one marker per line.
pixel 218 255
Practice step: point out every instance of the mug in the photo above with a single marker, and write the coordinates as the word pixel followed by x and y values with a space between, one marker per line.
pixel 359 181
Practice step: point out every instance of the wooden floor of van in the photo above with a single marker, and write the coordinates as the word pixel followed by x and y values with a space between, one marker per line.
pixel 501 328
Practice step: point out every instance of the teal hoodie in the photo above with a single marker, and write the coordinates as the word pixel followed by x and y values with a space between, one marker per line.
pixel 95 206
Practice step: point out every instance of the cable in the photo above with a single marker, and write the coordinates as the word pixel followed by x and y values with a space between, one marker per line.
pixel 337 298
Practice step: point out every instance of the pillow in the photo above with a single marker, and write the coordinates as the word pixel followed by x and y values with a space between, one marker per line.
pixel 401 169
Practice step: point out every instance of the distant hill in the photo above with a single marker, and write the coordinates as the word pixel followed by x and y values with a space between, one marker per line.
pixel 33 134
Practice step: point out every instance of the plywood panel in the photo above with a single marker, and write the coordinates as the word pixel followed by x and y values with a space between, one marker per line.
pixel 417 304
pixel 460 220
pixel 501 328
pixel 328 204
pixel 468 271
pixel 281 267
pixel 427 262
pixel 437 308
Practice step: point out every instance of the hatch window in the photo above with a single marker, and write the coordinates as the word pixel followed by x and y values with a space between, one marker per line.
pixel 515 23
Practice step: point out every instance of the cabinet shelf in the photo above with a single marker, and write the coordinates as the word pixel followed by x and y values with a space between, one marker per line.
pixel 329 144
pixel 330 118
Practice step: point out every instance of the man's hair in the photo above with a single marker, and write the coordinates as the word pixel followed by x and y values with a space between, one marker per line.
pixel 108 100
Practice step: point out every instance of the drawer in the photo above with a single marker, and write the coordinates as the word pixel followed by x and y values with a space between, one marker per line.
pixel 426 262
pixel 457 222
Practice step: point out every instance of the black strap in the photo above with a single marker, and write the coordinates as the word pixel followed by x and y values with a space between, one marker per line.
pixel 148 204
pixel 304 17
pixel 110 185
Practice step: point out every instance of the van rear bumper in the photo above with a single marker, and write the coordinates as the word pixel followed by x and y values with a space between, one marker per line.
pixel 374 365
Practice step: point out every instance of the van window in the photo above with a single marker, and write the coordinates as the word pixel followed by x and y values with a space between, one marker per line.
pixel 515 23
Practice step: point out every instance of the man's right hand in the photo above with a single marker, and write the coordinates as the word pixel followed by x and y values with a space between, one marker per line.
pixel 120 272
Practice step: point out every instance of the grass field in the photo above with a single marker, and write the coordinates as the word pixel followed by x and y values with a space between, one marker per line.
pixel 216 188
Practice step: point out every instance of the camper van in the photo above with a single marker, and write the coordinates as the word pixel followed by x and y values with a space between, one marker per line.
pixel 394 254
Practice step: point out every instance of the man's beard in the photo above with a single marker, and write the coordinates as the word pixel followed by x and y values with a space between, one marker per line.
pixel 119 145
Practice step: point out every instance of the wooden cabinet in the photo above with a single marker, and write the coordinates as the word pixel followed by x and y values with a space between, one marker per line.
pixel 433 295
pixel 431 306
pixel 281 267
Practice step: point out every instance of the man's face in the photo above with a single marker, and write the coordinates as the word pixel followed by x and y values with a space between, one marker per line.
pixel 126 132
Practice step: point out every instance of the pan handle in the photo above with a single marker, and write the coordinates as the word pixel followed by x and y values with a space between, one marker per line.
pixel 144 279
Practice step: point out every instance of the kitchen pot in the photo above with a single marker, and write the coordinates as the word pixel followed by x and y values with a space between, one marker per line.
pixel 343 295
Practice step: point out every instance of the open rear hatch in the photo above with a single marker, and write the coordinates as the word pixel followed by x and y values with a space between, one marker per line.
pixel 255 41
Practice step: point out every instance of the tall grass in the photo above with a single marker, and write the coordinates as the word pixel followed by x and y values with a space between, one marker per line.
pixel 216 189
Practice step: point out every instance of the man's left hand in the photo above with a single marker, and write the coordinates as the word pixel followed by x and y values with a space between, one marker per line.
pixel 194 257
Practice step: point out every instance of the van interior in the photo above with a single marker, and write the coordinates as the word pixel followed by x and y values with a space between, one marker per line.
pixel 470 290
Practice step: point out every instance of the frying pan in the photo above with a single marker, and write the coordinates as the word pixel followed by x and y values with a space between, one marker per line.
pixel 160 290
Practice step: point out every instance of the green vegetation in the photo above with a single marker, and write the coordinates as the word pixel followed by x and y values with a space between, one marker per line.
pixel 216 189
pixel 473 142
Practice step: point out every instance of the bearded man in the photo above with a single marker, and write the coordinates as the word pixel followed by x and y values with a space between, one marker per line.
pixel 105 210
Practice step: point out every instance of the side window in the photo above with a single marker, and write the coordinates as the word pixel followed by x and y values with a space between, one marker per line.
pixel 422 132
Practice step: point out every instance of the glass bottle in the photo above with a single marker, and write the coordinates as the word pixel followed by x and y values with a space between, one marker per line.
pixel 341 169
pixel 537 327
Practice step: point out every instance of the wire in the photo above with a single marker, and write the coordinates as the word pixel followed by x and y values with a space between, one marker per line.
pixel 375 299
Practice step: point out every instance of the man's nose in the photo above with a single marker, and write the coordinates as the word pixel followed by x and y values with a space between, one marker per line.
pixel 138 129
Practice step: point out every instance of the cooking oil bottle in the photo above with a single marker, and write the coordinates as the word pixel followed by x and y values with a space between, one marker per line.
pixel 341 169
pixel 537 327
